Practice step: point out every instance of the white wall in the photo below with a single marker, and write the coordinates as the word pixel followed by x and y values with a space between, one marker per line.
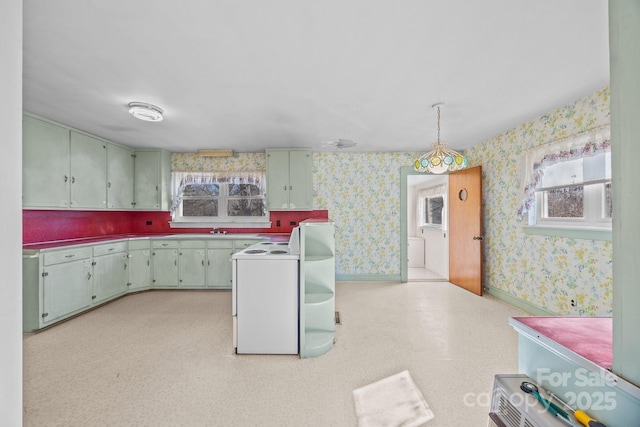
pixel 11 213
pixel 624 28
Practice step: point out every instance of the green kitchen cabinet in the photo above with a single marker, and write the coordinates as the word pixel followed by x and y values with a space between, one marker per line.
pixel 56 284
pixel 289 179
pixel 164 257
pixel 192 268
pixel 88 172
pixel 317 287
pixel 139 265
pixel 152 180
pixel 219 263
pixel 62 168
pixel 120 163
pixel 110 275
pixel 45 164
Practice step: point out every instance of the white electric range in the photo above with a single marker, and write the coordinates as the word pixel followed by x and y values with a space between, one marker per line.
pixel 265 295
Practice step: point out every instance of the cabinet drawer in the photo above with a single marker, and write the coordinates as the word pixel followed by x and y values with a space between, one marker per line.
pixel 192 244
pixel 110 248
pixel 139 244
pixel 160 244
pixel 57 257
pixel 220 244
pixel 242 244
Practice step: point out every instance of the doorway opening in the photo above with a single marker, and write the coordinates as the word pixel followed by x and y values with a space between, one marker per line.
pixel 424 219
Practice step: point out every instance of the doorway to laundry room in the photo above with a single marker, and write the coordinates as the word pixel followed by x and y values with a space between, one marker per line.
pixel 425 234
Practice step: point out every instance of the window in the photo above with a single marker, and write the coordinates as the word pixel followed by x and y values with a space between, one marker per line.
pixel 433 210
pixel 432 206
pixel 219 199
pixel 569 183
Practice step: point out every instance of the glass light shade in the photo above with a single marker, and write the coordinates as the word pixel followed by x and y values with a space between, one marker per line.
pixel 440 160
pixel 146 112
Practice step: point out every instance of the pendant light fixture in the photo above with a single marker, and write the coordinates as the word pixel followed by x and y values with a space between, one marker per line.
pixel 440 159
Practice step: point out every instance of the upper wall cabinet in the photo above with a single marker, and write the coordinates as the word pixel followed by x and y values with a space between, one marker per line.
pixel 66 168
pixel 88 172
pixel 45 164
pixel 120 162
pixel 289 179
pixel 152 178
pixel 62 168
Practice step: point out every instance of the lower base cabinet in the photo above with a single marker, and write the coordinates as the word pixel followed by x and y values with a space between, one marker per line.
pixel 56 285
pixel 139 259
pixel 110 275
pixel 60 283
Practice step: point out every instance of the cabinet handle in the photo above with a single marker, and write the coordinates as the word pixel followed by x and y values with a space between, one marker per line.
pixel 88 276
pixel 108 185
pixel 203 263
pixel 285 188
pixel 66 178
pixel 73 179
pixel 69 256
pixel 175 262
pixel 165 244
pixel 208 262
pixel 125 265
pixel 44 315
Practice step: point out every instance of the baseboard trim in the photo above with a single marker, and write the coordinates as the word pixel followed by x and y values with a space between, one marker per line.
pixel 368 278
pixel 517 302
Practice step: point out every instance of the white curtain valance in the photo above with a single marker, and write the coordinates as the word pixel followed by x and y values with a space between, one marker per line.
pixel 181 179
pixel 435 191
pixel 590 143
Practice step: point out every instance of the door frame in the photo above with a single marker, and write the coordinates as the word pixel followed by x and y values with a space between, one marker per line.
pixel 405 171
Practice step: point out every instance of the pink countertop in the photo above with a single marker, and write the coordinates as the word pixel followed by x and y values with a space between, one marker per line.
pixel 589 337
pixel 273 237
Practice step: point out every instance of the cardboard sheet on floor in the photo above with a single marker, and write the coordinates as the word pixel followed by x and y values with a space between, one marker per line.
pixel 392 401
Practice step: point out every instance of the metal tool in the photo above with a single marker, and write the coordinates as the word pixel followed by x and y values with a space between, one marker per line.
pixel 579 414
pixel 554 409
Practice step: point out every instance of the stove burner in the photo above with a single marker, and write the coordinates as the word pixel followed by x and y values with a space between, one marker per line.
pixel 278 252
pixel 255 251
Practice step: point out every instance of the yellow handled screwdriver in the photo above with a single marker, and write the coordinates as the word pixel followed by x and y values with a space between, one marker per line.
pixel 579 415
pixel 585 419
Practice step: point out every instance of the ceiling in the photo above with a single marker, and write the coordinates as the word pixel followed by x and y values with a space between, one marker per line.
pixel 247 74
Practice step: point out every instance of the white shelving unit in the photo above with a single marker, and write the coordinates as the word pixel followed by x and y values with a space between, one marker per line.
pixel 317 287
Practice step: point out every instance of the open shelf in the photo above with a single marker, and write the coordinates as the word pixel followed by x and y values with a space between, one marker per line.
pixel 317 288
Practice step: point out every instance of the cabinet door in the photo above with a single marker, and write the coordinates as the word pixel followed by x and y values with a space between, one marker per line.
pixel 165 267
pixel 219 268
pixel 277 180
pixel 110 276
pixel 192 268
pixel 119 177
pixel 139 269
pixel 146 180
pixel 66 289
pixel 300 180
pixel 88 172
pixel 45 164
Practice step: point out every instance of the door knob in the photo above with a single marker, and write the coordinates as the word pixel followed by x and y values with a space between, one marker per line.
pixel 478 238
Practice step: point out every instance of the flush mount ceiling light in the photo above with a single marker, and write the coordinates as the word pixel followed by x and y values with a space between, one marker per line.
pixel 340 143
pixel 146 112
pixel 440 159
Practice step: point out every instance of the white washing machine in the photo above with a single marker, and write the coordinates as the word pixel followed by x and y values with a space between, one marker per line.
pixel 265 294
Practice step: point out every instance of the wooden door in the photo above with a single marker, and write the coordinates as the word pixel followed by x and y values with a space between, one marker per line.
pixel 465 229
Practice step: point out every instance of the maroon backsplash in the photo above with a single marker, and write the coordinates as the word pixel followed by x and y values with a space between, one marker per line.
pixel 51 225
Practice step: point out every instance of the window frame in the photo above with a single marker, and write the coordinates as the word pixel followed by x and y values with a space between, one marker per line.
pixel 223 180
pixel 593 224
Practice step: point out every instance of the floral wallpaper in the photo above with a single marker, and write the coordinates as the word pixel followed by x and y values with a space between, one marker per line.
pixel 361 191
pixel 547 272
